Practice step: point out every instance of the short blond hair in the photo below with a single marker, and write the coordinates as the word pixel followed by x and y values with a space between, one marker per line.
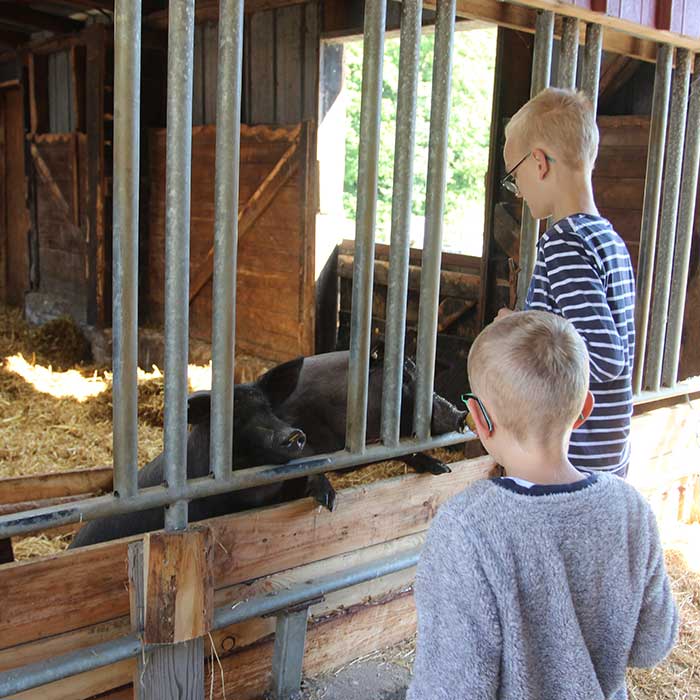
pixel 562 120
pixel 531 368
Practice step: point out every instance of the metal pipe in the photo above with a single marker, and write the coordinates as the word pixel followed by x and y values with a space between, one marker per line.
pixel 434 209
pixel 177 250
pixel 367 174
pixel 409 60
pixel 158 496
pixel 541 70
pixel 127 100
pixel 669 214
pixel 684 232
pixel 568 53
pixel 54 669
pixel 228 152
pixel 650 211
pixel 590 75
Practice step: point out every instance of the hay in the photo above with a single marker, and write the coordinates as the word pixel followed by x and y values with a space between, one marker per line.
pixel 60 343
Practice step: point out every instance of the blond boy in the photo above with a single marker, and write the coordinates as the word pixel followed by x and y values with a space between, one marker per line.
pixel 547 583
pixel 583 270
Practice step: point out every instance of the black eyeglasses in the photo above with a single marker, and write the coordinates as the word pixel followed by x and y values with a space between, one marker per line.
pixel 487 418
pixel 509 180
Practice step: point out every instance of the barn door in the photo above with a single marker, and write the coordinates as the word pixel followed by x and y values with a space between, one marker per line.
pixel 58 164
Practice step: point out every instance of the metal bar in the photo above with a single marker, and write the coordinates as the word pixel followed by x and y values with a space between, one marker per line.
pixel 650 211
pixel 228 152
pixel 434 209
pixel 590 75
pixel 541 70
pixel 367 174
pixel 568 53
pixel 684 232
pixel 669 214
pixel 53 669
pixel 157 496
pixel 177 250
pixel 689 386
pixel 127 100
pixel 409 60
pixel 288 654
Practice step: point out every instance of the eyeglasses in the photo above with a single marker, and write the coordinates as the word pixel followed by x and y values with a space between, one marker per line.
pixel 466 397
pixel 509 181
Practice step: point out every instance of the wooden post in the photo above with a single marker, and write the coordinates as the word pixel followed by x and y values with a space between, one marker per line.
pixel 171 600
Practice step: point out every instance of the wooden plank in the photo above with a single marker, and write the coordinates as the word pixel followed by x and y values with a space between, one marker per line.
pixel 621 161
pixel 198 77
pixel 288 65
pixel 262 67
pixel 619 192
pixel 307 251
pixel 210 70
pixel 453 284
pixel 88 586
pixel 310 69
pixel 17 216
pixel 98 287
pixel 254 207
pixel 55 485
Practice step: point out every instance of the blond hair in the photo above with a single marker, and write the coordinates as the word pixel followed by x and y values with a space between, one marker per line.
pixel 562 120
pixel 531 369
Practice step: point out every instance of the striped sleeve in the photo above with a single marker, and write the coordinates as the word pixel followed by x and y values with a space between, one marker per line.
pixel 575 283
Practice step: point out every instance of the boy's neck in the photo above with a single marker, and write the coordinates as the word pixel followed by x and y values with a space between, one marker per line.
pixel 540 466
pixel 575 197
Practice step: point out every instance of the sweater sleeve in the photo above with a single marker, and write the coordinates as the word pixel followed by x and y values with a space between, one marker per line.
pixel 459 640
pixel 574 283
pixel 657 626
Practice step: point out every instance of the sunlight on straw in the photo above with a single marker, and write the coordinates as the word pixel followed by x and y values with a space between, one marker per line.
pixel 69 384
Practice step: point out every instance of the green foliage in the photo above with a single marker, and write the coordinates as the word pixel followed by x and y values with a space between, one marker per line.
pixel 470 117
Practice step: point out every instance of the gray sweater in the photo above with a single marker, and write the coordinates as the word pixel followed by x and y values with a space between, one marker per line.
pixel 540 597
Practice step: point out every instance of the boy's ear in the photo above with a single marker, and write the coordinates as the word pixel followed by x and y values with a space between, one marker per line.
pixel 586 410
pixel 480 424
pixel 542 163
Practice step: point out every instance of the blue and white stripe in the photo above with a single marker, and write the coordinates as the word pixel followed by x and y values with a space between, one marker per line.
pixel 583 272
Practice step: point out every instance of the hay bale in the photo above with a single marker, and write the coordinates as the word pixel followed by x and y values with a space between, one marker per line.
pixel 61 343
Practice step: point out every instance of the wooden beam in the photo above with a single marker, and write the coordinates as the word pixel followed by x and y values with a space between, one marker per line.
pixel 284 169
pixel 12 38
pixel 17 14
pixel 45 174
pixel 107 5
pixel 38 487
pixel 89 585
pixel 614 77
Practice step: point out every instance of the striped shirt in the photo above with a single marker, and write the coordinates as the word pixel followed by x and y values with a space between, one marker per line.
pixel 583 272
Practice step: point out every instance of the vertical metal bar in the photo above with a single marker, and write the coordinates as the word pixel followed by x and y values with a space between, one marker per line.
pixel 568 54
pixel 363 275
pixel 650 211
pixel 669 213
pixel 177 249
pixel 228 142
pixel 434 207
pixel 288 654
pixel 127 99
pixel 541 70
pixel 590 75
pixel 684 232
pixel 409 59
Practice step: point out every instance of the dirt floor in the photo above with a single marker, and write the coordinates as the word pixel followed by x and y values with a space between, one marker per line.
pixel 55 414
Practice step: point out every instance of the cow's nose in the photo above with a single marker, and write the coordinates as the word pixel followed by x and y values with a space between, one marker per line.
pixel 296 439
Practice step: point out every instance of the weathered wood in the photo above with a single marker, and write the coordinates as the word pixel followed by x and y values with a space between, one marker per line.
pixel 455 284
pixel 288 65
pixel 254 207
pixel 178 605
pixel 619 71
pixel 17 216
pixel 88 586
pixel 39 487
pixel 262 68
pixel 47 177
pixel 12 12
pixel 210 58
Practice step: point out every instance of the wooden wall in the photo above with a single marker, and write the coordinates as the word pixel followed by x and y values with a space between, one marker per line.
pixel 618 185
pixel 275 256
pixel 60 166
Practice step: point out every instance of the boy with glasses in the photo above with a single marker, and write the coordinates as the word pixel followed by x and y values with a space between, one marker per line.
pixel 547 583
pixel 583 270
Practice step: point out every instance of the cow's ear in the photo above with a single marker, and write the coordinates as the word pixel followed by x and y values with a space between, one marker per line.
pixel 279 382
pixel 198 407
